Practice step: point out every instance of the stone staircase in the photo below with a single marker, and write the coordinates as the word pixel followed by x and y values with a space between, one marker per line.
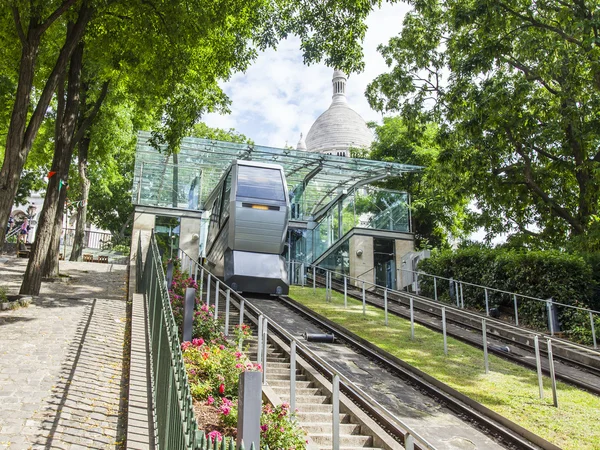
pixel 313 399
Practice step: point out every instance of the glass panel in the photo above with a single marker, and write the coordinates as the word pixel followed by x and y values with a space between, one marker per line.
pixel 259 182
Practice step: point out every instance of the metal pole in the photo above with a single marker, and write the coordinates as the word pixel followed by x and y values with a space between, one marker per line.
pixel 196 271
pixel 485 346
pixel 552 374
pixel 409 442
pixel 435 288
pixel 208 288
pixel 303 269
pixel 201 282
pixel 336 412
pixel 444 330
pixel 487 303
pixel 346 294
pixel 293 376
pixel 593 330
pixel 227 299
pixel 457 294
pixel 327 285
pixel 293 267
pixel 385 305
pixel 538 365
pixel 550 318
pixel 462 297
pixel 516 310
pixel 314 279
pixel 264 352
pixel 259 349
pixel 412 320
pixel 242 311
pixel 217 293
pixel 364 299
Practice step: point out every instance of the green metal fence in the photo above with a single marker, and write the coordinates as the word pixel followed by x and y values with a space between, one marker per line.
pixel 175 425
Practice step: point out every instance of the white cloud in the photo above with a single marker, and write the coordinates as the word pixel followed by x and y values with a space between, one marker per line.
pixel 279 97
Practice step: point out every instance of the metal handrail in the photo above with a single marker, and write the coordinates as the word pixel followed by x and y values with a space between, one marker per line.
pixel 470 314
pixel 330 369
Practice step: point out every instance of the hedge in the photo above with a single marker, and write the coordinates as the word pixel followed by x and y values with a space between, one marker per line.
pixel 566 278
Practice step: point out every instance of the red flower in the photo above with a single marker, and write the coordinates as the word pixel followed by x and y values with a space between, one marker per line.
pixel 222 389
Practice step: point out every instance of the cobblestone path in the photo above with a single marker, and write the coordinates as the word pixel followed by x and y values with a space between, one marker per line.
pixel 61 360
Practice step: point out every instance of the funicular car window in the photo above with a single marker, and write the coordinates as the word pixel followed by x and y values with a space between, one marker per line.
pixel 260 182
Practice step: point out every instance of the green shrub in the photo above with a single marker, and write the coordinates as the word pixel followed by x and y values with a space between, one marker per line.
pixel 566 278
pixel 3 294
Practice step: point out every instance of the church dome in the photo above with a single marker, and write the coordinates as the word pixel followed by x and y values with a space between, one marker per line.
pixel 340 127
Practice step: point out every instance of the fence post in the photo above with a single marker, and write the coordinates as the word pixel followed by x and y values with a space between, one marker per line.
pixel 485 346
pixel 516 310
pixel 385 306
pixel 456 291
pixel 170 268
pixel 538 365
pixel 412 320
pixel 227 300
pixel 188 313
pixel 409 442
pixel 314 279
pixel 593 330
pixel 242 311
pixel 435 288
pixel 217 294
pixel 444 330
pixel 364 299
pixel 207 288
pixel 303 274
pixel 249 408
pixel 462 297
pixel 345 291
pixel 264 352
pixel 550 318
pixel 487 303
pixel 335 387
pixel 293 375
pixel 201 285
pixel 259 341
pixel 552 374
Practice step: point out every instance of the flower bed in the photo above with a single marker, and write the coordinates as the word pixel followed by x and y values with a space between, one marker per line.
pixel 213 363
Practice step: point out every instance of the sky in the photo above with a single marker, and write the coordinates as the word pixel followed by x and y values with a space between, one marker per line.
pixel 279 97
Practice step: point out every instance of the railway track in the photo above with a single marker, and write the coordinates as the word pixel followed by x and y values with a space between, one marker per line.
pixel 426 403
pixel 574 371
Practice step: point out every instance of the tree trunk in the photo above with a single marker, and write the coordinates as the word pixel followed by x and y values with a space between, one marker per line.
pixel 63 151
pixel 51 266
pixel 82 208
pixel 22 131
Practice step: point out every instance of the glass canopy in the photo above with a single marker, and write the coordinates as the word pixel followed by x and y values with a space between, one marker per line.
pixel 185 180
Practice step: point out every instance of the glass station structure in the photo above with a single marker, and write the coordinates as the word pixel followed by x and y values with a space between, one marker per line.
pixel 338 219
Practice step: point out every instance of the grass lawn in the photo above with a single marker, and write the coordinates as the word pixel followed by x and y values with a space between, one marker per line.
pixel 508 389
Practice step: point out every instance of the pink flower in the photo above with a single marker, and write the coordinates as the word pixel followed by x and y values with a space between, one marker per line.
pixel 221 347
pixel 225 410
pixel 197 342
pixel 265 427
pixel 204 307
pixel 210 400
pixel 239 366
pixel 214 435
pixel 281 429
pixel 185 345
pixel 238 355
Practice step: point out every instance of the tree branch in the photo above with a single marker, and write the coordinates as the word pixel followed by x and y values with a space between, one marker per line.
pixel 529 73
pixel 18 25
pixel 55 15
pixel 92 115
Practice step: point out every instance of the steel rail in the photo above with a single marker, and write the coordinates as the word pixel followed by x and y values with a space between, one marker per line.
pixel 595 389
pixel 490 421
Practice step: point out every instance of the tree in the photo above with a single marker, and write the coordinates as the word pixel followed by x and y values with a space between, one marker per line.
pixel 439 206
pixel 201 130
pixel 515 87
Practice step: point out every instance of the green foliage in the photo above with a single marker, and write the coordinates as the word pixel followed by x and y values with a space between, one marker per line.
pixel 201 130
pixel 3 294
pixel 515 88
pixel 565 278
pixel 279 428
pixel 439 205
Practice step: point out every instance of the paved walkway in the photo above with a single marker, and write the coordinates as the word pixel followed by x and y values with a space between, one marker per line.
pixel 61 360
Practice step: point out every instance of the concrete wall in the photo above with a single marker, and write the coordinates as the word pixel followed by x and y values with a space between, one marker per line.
pixel 143 224
pixel 189 236
pixel 402 248
pixel 361 267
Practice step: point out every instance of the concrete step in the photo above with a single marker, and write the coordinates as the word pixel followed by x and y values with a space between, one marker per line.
pixel 286 383
pixel 353 440
pixel 285 390
pixel 283 376
pixel 277 369
pixel 315 407
pixel 324 428
pixel 320 417
pixel 306 399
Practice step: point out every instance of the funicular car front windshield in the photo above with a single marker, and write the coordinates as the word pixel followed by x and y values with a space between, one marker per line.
pixel 260 182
